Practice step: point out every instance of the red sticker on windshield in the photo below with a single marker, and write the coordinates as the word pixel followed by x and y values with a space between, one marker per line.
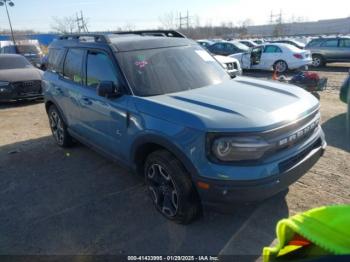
pixel 141 64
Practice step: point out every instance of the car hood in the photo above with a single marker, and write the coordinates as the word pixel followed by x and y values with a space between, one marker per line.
pixel 225 59
pixel 237 56
pixel 242 104
pixel 22 74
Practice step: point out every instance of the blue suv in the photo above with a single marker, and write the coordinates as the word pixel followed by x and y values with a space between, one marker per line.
pixel 161 105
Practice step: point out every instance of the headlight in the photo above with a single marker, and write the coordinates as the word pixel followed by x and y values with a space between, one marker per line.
pixel 4 83
pixel 230 149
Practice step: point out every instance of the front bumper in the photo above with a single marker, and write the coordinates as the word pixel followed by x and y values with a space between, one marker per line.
pixel 15 92
pixel 223 192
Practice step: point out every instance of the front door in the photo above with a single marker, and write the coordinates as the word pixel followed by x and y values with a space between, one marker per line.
pixel 104 119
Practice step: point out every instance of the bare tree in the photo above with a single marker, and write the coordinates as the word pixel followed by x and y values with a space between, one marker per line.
pixel 168 21
pixel 64 25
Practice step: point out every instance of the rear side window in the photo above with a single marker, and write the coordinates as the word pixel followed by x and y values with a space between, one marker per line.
pixel 72 68
pixel 272 49
pixel 344 42
pixel 330 43
pixel 99 68
pixel 219 47
pixel 314 43
pixel 54 62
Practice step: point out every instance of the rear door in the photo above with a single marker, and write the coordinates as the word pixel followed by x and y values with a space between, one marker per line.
pixel 104 119
pixel 270 55
pixel 344 49
pixel 69 87
pixel 330 49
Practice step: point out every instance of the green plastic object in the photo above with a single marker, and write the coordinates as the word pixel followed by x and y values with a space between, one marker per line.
pixel 327 228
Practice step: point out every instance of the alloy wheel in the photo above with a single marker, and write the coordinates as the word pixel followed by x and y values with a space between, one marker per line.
pixel 281 66
pixel 316 61
pixel 56 125
pixel 162 189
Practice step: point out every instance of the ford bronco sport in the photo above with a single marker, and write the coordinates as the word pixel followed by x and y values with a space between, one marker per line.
pixel 161 105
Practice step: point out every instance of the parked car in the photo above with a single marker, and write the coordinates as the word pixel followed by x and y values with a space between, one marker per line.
pixel 226 48
pixel 327 50
pixel 277 57
pixel 259 41
pixel 32 52
pixel 290 42
pixel 19 79
pixel 165 108
pixel 231 65
pixel 205 43
pixel 248 43
pixel 345 97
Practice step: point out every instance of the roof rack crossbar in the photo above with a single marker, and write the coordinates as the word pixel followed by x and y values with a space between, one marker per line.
pixel 164 33
pixel 97 37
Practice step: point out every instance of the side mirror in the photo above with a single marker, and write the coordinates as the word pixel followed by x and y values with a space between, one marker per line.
pixel 108 89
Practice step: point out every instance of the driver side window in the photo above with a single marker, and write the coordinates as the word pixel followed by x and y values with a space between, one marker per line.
pixel 99 68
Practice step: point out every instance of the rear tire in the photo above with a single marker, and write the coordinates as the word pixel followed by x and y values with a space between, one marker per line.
pixel 59 128
pixel 171 188
pixel 280 66
pixel 317 61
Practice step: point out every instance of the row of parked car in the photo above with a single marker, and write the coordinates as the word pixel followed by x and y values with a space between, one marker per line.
pixel 281 55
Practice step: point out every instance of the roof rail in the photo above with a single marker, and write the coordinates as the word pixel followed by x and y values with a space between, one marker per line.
pixel 97 37
pixel 165 33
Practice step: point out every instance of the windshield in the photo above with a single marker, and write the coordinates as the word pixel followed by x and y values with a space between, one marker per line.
pixel 27 49
pixel 240 46
pixel 169 70
pixel 13 62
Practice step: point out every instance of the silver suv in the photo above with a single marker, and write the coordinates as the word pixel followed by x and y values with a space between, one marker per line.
pixel 326 50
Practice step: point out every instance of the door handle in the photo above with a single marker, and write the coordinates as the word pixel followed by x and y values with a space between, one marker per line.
pixel 86 101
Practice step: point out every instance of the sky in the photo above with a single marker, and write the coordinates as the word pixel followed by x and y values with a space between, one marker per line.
pixel 141 14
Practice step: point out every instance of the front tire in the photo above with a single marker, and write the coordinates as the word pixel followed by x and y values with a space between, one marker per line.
pixel 280 67
pixel 171 188
pixel 59 128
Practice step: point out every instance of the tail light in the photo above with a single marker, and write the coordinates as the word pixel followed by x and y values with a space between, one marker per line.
pixel 299 56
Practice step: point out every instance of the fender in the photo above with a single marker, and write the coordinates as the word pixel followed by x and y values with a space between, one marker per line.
pixel 52 101
pixel 168 145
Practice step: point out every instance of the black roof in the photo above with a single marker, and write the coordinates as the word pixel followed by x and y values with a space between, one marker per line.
pixel 125 41
pixel 136 42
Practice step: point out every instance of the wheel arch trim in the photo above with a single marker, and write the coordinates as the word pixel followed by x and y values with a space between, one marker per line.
pixel 153 139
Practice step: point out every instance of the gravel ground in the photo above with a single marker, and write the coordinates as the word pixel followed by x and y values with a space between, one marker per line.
pixel 56 201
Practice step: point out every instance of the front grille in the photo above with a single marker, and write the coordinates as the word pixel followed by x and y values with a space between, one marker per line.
pixel 27 87
pixel 289 163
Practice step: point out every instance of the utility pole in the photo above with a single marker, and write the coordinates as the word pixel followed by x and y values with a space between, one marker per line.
pixel 81 23
pixel 184 21
pixel 2 3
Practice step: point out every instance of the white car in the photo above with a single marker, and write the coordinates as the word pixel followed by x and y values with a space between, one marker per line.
pixel 231 64
pixel 277 57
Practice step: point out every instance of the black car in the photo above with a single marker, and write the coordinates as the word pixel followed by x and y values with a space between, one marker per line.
pixel 32 52
pixel 19 79
pixel 228 48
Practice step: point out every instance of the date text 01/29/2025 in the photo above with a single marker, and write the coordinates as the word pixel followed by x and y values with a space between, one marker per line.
pixel 173 258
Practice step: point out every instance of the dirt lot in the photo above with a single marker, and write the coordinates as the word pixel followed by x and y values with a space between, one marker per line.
pixel 56 201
